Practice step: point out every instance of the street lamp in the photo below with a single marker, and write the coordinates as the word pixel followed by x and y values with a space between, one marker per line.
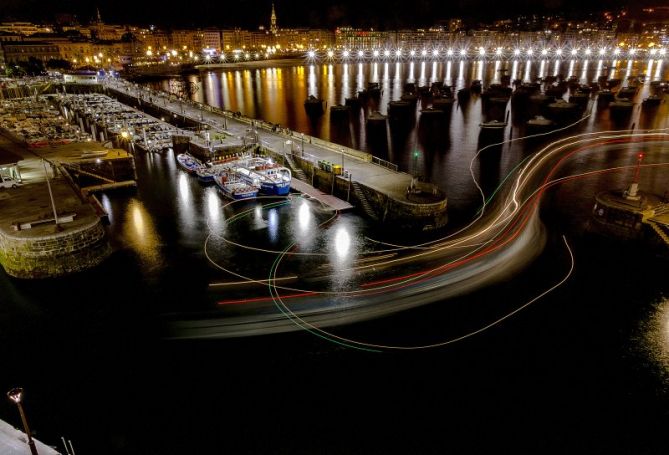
pixel 16 395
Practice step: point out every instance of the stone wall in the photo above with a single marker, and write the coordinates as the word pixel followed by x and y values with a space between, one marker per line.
pixel 393 213
pixel 56 254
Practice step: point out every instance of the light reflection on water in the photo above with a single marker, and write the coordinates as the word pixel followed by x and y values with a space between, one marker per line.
pixel 654 338
pixel 140 233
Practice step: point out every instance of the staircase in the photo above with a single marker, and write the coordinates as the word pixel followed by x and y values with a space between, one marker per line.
pixel 660 231
pixel 297 172
pixel 661 209
pixel 363 200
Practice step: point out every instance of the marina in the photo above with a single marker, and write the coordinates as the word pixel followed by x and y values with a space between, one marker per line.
pixel 376 186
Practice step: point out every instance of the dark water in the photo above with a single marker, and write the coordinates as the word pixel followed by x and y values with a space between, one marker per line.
pixel 583 370
pixel 444 152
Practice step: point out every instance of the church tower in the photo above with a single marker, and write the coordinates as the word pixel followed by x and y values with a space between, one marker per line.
pixel 272 24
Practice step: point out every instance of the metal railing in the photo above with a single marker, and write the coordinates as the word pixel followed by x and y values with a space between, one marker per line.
pixel 383 163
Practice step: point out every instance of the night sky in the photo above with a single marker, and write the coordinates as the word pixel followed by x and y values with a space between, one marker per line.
pixel 381 14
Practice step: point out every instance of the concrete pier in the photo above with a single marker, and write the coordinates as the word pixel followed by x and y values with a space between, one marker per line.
pixel 372 184
pixel 32 243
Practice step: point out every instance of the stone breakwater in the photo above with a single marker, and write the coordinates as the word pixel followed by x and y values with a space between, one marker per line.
pixel 53 255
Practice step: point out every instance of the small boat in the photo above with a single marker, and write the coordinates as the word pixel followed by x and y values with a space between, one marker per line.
pixel 353 103
pixel 188 163
pixel 313 106
pixel 652 101
pixel 206 175
pixel 376 118
pixel 605 96
pixel 493 125
pixel 235 189
pixel 621 106
pixel 540 121
pixel 430 112
pixel 275 181
pixel 338 111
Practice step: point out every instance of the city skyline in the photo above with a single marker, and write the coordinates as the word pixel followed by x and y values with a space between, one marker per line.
pixel 326 14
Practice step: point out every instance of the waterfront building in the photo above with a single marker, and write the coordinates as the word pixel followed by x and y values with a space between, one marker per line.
pixel 356 38
pixel 210 38
pixel 24 28
pixel 22 51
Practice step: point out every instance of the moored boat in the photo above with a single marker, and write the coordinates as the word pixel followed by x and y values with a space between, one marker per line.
pixel 234 188
pixel 188 163
pixel 493 125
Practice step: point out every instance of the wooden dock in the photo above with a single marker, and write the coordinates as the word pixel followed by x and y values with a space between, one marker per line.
pixel 326 199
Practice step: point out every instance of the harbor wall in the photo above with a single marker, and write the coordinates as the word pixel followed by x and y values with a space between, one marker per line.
pixel 54 255
pixel 391 212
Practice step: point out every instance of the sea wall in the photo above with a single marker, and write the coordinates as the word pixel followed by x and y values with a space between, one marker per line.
pixel 388 210
pixel 54 255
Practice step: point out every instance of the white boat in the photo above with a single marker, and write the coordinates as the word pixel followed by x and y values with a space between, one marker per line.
pixel 234 188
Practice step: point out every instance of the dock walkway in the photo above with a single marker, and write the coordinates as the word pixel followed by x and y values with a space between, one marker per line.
pixel 329 200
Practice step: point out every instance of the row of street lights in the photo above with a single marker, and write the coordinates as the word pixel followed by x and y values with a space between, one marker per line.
pixel 483 52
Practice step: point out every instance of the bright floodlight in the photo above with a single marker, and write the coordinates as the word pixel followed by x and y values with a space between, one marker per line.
pixel 544 52
pixel 449 52
pixel 516 52
pixel 412 53
pixel 423 52
pixel 398 53
pixel 386 52
pixel 311 54
pixel 435 52
pixel 375 53
pixel 663 51
pixel 463 52
pixel 330 54
pixel 498 51
pixel 361 53
pixel 616 51
pixel 602 51
pixel 16 395
pixel 530 52
pixel 481 51
pixel 653 51
pixel 588 52
pixel 558 52
pixel 345 54
pixel 632 51
pixel 574 51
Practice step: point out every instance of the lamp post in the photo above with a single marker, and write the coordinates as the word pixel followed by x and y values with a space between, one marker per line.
pixel 53 203
pixel 16 395
pixel 302 145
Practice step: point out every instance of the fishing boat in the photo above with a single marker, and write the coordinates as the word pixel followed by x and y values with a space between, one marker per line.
pixel 272 179
pixel 206 174
pixel 234 188
pixel 188 163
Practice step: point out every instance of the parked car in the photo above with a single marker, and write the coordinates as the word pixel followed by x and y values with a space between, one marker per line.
pixel 6 182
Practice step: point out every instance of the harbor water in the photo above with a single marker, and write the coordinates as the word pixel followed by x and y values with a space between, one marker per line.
pixel 583 369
